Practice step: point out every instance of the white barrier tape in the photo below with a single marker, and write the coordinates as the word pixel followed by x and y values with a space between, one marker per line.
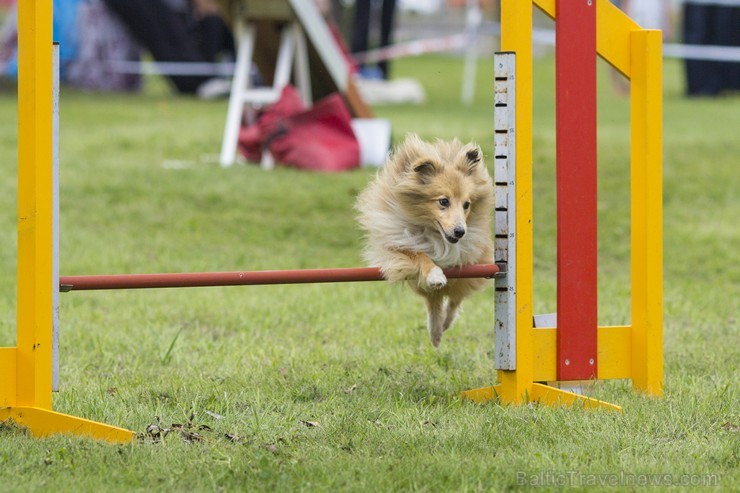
pixel 421 47
pixel 703 52
pixel 718 3
pixel 446 43
pixel 413 48
pixel 539 36
pixel 172 68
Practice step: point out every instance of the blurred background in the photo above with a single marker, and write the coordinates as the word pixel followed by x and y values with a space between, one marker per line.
pixel 103 41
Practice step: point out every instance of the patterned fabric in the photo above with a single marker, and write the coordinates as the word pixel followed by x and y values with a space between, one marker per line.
pixel 65 33
pixel 8 43
pixel 89 37
pixel 103 40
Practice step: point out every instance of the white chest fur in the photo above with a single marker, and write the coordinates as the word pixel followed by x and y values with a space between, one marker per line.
pixel 392 233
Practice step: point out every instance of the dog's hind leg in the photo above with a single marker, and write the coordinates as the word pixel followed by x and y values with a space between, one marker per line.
pixel 452 307
pixel 435 318
pixel 457 291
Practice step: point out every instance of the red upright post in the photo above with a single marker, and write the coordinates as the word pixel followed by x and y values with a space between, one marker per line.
pixel 575 57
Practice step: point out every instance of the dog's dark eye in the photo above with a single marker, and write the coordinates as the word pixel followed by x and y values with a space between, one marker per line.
pixel 466 205
pixel 444 202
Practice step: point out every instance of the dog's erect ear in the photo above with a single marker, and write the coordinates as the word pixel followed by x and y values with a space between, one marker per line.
pixel 473 157
pixel 424 170
pixel 406 155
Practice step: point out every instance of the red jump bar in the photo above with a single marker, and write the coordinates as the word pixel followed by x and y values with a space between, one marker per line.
pixel 250 278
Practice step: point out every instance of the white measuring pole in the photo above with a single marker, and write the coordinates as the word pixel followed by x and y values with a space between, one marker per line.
pixel 55 220
pixel 504 178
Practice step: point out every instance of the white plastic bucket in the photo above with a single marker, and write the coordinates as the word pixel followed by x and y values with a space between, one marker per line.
pixel 374 137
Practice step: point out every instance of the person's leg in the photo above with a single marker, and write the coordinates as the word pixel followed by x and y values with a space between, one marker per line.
pixel 727 29
pixel 386 30
pixel 163 33
pixel 215 37
pixel 704 76
pixel 360 26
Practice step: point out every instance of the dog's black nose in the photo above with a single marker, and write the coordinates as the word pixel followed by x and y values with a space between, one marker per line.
pixel 459 232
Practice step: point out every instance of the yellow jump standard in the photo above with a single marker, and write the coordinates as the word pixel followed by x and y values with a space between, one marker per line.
pixel 630 352
pixel 530 355
pixel 26 370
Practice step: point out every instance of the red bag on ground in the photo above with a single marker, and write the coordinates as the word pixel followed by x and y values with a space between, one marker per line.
pixel 317 139
pixel 252 138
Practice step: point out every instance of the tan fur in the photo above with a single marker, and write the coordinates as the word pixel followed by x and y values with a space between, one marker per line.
pixel 407 227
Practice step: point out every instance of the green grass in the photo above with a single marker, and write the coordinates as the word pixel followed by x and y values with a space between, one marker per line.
pixel 355 358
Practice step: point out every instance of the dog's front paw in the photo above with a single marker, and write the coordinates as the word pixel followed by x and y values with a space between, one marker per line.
pixel 436 279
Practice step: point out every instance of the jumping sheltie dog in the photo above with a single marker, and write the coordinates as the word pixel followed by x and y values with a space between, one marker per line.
pixel 427 209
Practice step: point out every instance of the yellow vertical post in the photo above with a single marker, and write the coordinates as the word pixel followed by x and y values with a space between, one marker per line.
pixel 516 36
pixel 26 370
pixel 34 314
pixel 647 211
pixel 8 392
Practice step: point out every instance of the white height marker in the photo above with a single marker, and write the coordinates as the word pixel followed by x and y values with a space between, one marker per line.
pixel 55 220
pixel 504 178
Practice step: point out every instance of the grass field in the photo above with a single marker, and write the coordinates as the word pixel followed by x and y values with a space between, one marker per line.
pixel 336 387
